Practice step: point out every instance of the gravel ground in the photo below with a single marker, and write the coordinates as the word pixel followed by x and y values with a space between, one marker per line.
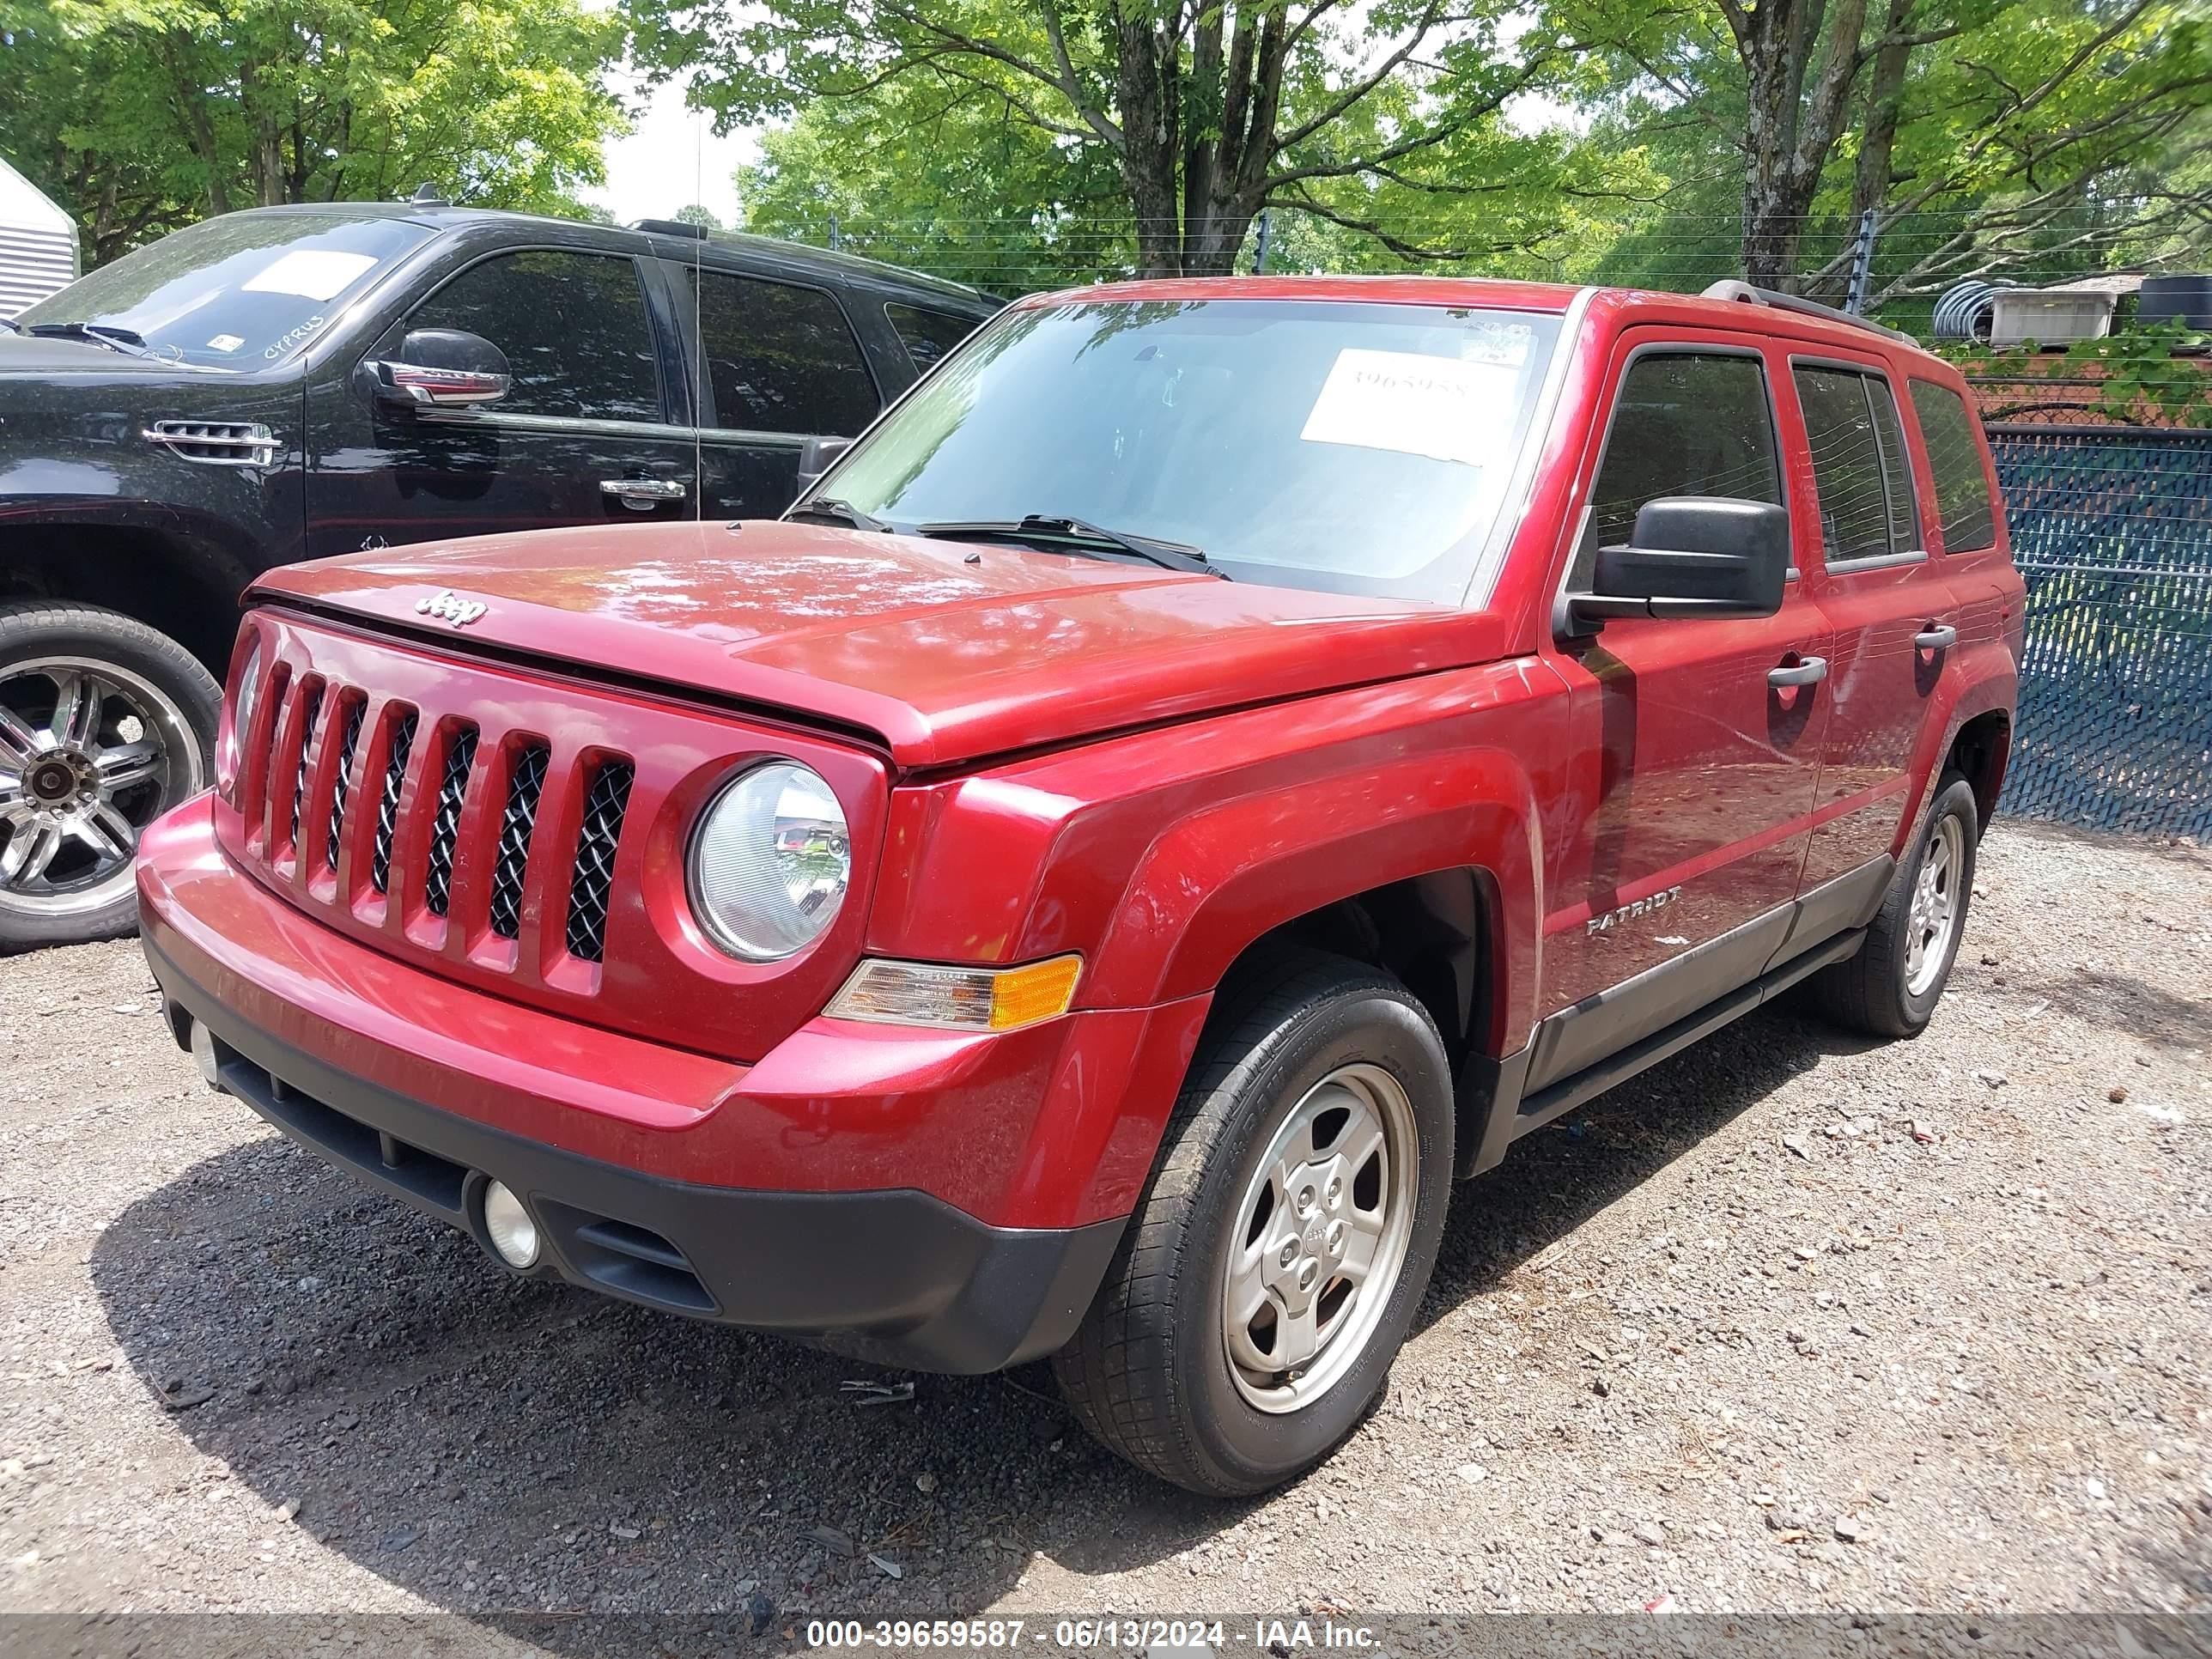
pixel 1792 1321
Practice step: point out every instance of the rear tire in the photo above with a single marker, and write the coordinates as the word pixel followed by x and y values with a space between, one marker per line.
pixel 1293 1214
pixel 105 724
pixel 1891 988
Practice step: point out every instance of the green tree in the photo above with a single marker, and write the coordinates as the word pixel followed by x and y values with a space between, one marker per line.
pixel 140 114
pixel 1198 113
pixel 1989 134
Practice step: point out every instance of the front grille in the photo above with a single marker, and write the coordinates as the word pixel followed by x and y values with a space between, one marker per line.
pixel 592 880
pixel 440 793
pixel 524 784
pixel 387 803
pixel 438 873
pixel 355 709
pixel 313 709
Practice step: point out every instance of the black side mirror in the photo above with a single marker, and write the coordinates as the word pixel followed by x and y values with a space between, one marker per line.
pixel 1691 555
pixel 816 458
pixel 443 369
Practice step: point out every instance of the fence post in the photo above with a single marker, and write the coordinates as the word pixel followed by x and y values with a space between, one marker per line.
pixel 836 240
pixel 1259 253
pixel 1862 265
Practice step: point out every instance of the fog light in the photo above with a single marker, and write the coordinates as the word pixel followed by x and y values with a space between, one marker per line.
pixel 512 1233
pixel 204 1051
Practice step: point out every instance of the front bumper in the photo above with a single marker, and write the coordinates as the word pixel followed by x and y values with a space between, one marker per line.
pixel 898 1277
pixel 427 1092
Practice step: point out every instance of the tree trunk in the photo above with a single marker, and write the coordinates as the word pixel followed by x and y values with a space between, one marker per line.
pixel 1885 107
pixel 1149 146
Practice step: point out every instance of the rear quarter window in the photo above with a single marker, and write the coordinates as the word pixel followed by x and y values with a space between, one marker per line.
pixel 928 335
pixel 1967 515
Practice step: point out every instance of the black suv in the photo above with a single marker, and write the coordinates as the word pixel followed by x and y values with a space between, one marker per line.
pixel 291 382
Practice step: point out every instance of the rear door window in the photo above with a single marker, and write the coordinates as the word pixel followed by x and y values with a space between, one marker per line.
pixel 1954 457
pixel 780 358
pixel 1687 423
pixel 1861 475
pixel 928 335
pixel 574 327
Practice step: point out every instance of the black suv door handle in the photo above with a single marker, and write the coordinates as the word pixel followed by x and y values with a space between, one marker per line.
pixel 1937 636
pixel 1805 670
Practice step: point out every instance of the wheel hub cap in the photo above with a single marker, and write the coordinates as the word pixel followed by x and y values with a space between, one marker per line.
pixel 86 753
pixel 1321 1233
pixel 1937 904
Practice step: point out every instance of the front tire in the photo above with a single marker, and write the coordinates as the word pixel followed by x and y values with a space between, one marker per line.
pixel 1891 988
pixel 105 724
pixel 1271 1273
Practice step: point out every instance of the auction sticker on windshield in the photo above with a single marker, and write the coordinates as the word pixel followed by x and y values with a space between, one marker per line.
pixel 1445 408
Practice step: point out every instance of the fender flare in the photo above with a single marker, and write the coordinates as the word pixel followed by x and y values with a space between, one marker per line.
pixel 1988 682
pixel 1212 885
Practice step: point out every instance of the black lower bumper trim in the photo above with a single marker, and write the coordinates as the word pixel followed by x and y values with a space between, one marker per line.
pixel 898 1277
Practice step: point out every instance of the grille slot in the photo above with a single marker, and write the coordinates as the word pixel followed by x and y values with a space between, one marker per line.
pixel 387 803
pixel 524 784
pixel 592 879
pixel 355 711
pixel 438 876
pixel 313 703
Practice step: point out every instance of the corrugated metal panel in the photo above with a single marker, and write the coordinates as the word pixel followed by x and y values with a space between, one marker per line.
pixel 33 265
pixel 38 244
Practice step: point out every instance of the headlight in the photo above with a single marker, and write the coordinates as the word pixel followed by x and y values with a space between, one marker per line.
pixel 770 862
pixel 241 710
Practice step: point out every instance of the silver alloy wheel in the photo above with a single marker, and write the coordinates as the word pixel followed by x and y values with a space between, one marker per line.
pixel 90 754
pixel 1936 904
pixel 1321 1233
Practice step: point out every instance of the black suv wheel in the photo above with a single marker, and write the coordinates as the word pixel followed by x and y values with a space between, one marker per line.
pixel 104 725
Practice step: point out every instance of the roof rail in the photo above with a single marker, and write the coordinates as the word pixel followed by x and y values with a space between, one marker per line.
pixel 1729 287
pixel 670 227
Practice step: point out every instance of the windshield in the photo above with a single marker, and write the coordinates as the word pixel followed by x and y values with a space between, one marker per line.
pixel 236 291
pixel 1350 448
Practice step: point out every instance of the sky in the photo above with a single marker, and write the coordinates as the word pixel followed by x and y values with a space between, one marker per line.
pixel 671 160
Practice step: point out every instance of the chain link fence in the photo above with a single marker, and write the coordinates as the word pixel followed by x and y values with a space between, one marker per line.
pixel 2112 528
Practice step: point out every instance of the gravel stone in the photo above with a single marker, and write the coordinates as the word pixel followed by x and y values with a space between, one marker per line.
pixel 467 1438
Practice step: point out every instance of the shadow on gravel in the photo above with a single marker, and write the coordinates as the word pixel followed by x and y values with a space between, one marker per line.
pixel 2119 1002
pixel 486 1444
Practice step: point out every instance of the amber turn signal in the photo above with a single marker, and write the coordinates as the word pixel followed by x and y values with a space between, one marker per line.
pixel 958 998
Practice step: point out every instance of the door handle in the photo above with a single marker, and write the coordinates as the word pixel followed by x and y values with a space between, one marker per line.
pixel 643 492
pixel 1805 670
pixel 1937 636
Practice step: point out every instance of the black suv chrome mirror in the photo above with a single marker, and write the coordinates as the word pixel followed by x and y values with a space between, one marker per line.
pixel 1691 555
pixel 443 368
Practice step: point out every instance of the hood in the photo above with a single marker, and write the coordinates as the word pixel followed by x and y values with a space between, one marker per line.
pixel 947 651
pixel 40 354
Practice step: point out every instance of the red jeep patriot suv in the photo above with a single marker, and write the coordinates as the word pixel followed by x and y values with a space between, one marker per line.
pixel 1214 762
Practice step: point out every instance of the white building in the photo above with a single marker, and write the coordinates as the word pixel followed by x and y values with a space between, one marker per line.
pixel 38 244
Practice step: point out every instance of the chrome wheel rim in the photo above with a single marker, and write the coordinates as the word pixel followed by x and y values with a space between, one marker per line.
pixel 1321 1238
pixel 90 754
pixel 1936 904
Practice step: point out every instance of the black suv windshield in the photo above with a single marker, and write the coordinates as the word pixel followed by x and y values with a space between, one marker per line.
pixel 1352 447
pixel 237 292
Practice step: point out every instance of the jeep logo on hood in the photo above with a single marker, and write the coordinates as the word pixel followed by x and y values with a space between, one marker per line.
pixel 449 607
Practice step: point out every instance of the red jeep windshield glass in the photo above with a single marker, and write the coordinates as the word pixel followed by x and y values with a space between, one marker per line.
pixel 1355 448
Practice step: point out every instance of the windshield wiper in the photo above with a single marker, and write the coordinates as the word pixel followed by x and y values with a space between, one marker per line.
pixel 115 339
pixel 837 511
pixel 1055 531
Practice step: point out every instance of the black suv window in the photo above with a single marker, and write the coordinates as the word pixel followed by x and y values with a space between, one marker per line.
pixel 573 328
pixel 780 358
pixel 1962 489
pixel 1687 424
pixel 1860 472
pixel 928 335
